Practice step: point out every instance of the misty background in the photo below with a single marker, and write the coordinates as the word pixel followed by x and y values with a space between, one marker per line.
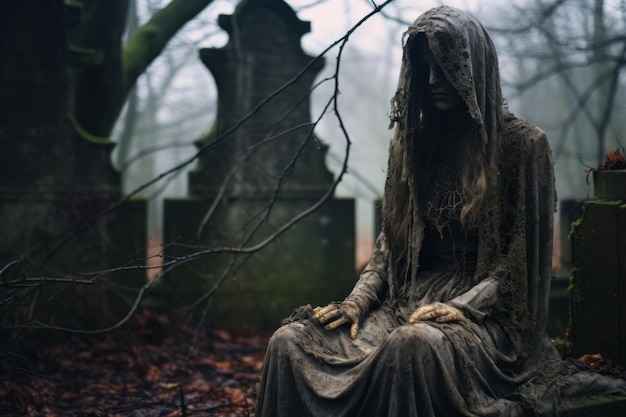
pixel 560 62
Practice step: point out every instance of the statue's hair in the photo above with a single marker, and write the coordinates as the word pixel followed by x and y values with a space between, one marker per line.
pixel 474 181
pixel 414 158
pixel 397 204
pixel 468 158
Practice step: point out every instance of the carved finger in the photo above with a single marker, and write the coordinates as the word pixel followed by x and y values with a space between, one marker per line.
pixel 417 315
pixel 330 310
pixel 414 318
pixel 452 315
pixel 422 313
pixel 339 322
pixel 320 311
pixel 354 329
pixel 331 315
pixel 433 314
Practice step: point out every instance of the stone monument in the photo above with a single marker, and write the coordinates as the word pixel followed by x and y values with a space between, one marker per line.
pixel 55 184
pixel 598 290
pixel 260 167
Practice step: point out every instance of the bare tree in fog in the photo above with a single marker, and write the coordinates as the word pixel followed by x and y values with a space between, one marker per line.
pixel 106 83
pixel 570 55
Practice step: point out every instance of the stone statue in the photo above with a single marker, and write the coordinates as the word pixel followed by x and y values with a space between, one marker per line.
pixel 448 318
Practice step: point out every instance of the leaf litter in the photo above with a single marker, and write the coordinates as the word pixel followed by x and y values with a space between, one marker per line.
pixel 154 366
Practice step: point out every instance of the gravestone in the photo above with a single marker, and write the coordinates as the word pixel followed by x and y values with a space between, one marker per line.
pixel 598 309
pixel 569 211
pixel 54 183
pixel 263 166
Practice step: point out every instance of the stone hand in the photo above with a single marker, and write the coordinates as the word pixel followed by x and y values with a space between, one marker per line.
pixel 440 312
pixel 337 314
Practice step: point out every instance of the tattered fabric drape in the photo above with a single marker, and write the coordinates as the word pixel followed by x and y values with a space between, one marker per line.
pixel 498 362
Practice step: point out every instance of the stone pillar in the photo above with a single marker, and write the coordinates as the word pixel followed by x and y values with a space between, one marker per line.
pixel 54 182
pixel 266 167
pixel 598 287
pixel 569 211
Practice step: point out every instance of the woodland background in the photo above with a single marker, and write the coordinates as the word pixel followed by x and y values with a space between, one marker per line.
pixel 137 81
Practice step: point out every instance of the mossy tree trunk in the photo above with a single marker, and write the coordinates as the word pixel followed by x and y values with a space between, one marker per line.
pixel 110 69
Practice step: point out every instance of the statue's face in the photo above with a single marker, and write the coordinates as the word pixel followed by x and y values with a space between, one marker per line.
pixel 443 95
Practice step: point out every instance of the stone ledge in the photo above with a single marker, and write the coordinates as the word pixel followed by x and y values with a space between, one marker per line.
pixel 610 184
pixel 602 405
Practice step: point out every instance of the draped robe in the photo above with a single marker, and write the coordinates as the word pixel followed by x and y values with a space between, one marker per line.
pixel 496 362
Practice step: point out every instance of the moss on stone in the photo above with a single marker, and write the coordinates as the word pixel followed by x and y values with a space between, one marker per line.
pixel 601 405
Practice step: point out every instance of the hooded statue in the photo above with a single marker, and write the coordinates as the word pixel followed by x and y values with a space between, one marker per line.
pixel 449 316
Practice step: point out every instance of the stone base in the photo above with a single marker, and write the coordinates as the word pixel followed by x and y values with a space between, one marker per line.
pixel 312 263
pixel 605 406
pixel 47 239
pixel 599 280
pixel 558 311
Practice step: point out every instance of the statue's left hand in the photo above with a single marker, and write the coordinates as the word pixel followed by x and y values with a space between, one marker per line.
pixel 440 312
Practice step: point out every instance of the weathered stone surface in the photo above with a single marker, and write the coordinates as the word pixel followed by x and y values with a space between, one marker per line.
pixel 263 79
pixel 597 283
pixel 610 184
pixel 262 153
pixel 54 182
pixel 312 263
pixel 604 406
pixel 570 210
pixel 41 151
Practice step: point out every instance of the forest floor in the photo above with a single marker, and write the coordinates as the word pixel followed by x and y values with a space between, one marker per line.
pixel 150 367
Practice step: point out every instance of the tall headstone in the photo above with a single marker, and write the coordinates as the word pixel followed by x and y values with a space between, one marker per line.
pixel 569 211
pixel 598 290
pixel 54 183
pixel 262 167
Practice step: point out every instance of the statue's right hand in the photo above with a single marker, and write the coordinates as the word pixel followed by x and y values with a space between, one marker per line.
pixel 337 314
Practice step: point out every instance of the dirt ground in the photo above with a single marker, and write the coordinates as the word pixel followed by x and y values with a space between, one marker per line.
pixel 151 367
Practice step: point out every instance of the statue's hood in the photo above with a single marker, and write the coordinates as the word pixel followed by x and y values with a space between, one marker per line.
pixel 464 51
